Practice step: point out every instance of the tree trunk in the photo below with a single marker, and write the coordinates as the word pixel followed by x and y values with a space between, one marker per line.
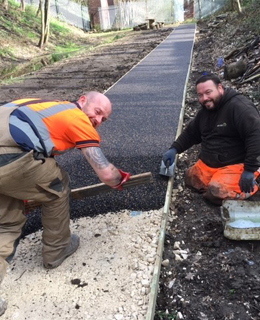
pixel 235 5
pixel 22 5
pixel 45 24
pixel 238 6
pixel 199 5
pixel 47 21
pixel 5 4
pixel 57 7
pixel 39 8
pixel 42 26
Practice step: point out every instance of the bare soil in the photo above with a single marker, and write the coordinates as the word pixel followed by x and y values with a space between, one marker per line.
pixel 95 70
pixel 213 278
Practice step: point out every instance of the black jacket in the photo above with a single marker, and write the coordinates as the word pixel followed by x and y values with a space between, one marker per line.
pixel 228 135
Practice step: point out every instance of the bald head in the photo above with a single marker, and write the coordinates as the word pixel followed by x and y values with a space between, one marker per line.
pixel 96 106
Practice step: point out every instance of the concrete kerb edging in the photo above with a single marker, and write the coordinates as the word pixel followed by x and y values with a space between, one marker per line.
pixel 157 268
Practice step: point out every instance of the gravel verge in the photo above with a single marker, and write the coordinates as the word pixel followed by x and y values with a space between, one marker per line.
pixel 107 278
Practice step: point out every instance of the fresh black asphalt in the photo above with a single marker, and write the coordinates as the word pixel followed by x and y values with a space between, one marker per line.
pixel 146 108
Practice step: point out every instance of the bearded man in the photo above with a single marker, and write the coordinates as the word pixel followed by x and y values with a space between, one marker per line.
pixel 228 129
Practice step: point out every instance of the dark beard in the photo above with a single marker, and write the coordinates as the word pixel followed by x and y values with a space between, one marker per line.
pixel 216 105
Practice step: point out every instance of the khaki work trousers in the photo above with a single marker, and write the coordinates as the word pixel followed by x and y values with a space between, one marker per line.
pixel 45 182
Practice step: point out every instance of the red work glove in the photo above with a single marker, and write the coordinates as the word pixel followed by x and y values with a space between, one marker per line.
pixel 125 177
pixel 25 202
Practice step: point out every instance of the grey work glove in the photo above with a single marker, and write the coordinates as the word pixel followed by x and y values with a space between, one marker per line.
pixel 247 181
pixel 169 156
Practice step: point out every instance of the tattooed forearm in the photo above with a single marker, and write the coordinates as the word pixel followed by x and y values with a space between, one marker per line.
pixel 96 157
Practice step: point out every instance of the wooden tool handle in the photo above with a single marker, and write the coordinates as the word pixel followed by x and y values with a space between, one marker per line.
pixel 79 193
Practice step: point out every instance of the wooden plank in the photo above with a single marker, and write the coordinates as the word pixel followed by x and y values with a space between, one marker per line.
pixel 79 193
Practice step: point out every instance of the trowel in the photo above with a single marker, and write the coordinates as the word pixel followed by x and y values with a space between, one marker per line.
pixel 166 170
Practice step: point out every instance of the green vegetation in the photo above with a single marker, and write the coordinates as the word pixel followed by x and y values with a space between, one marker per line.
pixel 166 315
pixel 59 27
pixel 251 17
pixel 20 34
pixel 31 35
pixel 5 52
pixel 232 292
pixel 256 94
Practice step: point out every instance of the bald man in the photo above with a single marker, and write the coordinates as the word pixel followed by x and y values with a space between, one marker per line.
pixel 32 132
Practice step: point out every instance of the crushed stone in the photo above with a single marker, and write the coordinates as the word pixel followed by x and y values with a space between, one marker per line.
pixel 107 278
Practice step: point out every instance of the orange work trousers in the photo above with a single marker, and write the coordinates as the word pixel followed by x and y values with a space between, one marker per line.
pixel 218 184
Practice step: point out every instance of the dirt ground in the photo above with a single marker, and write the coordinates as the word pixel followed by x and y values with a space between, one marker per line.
pixel 213 278
pixel 97 70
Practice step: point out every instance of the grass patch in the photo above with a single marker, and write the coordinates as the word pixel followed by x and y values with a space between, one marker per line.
pixel 63 52
pixel 68 47
pixel 6 53
pixel 55 57
pixel 6 23
pixel 19 30
pixel 119 36
pixel 59 27
pixel 31 35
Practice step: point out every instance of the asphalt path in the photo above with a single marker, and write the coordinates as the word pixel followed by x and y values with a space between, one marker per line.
pixel 146 108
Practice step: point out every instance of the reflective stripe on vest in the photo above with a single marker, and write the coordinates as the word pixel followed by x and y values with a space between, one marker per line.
pixel 34 118
pixel 9 104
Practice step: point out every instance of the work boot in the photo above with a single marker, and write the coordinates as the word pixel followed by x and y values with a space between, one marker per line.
pixel 68 251
pixel 3 267
pixel 3 306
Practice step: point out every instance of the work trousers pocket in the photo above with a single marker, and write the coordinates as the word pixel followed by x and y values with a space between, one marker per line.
pixel 32 179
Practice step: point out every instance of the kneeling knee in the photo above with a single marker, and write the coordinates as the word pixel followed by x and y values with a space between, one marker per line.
pixel 215 194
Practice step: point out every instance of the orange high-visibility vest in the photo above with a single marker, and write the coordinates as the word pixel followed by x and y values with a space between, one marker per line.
pixel 51 127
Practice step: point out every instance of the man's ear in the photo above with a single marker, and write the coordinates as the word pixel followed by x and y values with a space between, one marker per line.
pixel 82 101
pixel 220 88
